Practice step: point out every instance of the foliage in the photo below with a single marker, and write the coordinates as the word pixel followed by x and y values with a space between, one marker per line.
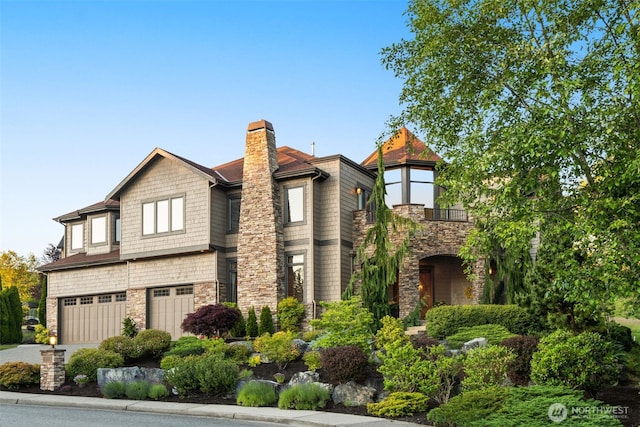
pixel 80 379
pixel 237 352
pixel 486 366
pixel 535 99
pixel 266 321
pixel 158 391
pixel 628 307
pixel 414 318
pixel 344 322
pixel 519 369
pixel 256 394
pixel 254 361
pixel 114 390
pixel 404 369
pixel 14 375
pixel 618 335
pixel 310 396
pixel 290 314
pixel 183 375
pixel 422 341
pixel 278 348
pixel 21 272
pixel 212 320
pixel 391 330
pixel 152 343
pixel 186 346
pixel 447 319
pixel 448 368
pixel 123 345
pixel 137 390
pixel 10 316
pixel 129 327
pixel 216 374
pixel 252 323
pixel 463 409
pixel 87 361
pixel 344 363
pixel 584 361
pixel 42 334
pixel 378 257
pixel 239 327
pixel 42 305
pixel 170 361
pixel 313 360
pixel 399 404
pixel 311 335
pixel 493 333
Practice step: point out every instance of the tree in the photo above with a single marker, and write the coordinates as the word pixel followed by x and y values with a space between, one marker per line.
pixel 211 320
pixel 266 321
pixel 19 271
pixel 380 258
pixel 10 316
pixel 252 323
pixel 42 306
pixel 534 106
pixel 51 254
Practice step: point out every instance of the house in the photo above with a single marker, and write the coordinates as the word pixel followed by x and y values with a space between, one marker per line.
pixel 174 235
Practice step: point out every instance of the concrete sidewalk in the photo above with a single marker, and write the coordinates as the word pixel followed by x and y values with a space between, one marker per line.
pixel 268 414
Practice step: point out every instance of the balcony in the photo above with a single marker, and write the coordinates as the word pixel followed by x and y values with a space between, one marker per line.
pixel 445 215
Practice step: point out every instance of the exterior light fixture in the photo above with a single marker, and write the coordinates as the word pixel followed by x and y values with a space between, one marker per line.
pixel 53 339
pixel 358 190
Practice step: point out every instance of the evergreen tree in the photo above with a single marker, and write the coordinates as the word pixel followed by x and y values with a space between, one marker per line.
pixel 15 306
pixel 42 306
pixel 252 323
pixel 5 331
pixel 266 321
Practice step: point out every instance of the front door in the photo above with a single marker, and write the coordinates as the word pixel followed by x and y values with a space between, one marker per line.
pixel 425 288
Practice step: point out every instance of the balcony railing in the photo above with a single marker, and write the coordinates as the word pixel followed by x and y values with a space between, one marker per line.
pixel 445 214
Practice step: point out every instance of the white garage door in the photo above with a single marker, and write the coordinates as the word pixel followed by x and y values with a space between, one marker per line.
pixel 168 307
pixel 91 318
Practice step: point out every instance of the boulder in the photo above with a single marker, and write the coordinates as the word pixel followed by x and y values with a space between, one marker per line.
pixel 353 394
pixel 126 375
pixel 474 343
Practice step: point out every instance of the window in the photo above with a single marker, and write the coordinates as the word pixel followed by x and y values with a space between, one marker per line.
pixel 161 292
pixel 69 301
pixel 121 297
pixel 393 183
pixel 103 299
pixel 295 276
pixel 232 288
pixel 77 236
pixel 234 213
pixel 98 230
pixel 116 227
pixel 294 204
pixel 422 187
pixel 185 290
pixel 163 216
pixel 86 300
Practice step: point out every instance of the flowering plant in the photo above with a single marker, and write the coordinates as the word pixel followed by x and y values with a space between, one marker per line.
pixel 80 379
pixel 279 377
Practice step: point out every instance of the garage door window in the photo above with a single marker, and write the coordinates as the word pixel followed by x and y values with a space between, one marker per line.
pixel 161 293
pixel 86 300
pixel 121 297
pixel 187 290
pixel 103 299
pixel 68 301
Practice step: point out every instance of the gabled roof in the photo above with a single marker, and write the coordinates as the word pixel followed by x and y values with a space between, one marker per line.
pixel 205 172
pixel 403 148
pixel 103 206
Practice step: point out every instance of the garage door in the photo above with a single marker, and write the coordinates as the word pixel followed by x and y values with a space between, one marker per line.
pixel 91 318
pixel 168 307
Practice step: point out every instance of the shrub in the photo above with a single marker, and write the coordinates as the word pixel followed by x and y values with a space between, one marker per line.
pixel 185 348
pixel 183 375
pixel 170 361
pixel 238 353
pixel 311 335
pixel 239 327
pixel 447 319
pixel 256 393
pixel 309 396
pixel 344 322
pixel 344 363
pixel 312 360
pixel 215 374
pixel 14 375
pixel 404 369
pixel 113 390
pixel 213 320
pixel 290 314
pixel 618 335
pixel 129 327
pixel 448 368
pixel 252 323
pixel 493 333
pixel 392 330
pixel 123 345
pixel 519 369
pixel 137 390
pixel 423 341
pixel 584 361
pixel 470 406
pixel 87 361
pixel 278 348
pixel 485 367
pixel 399 404
pixel 266 321
pixel 152 343
pixel 158 391
pixel 42 334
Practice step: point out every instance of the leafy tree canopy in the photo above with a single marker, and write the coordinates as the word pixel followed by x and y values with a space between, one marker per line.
pixel 534 105
pixel 21 272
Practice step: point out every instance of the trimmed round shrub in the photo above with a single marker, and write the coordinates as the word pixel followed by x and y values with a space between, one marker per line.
pixel 152 343
pixel 279 347
pixel 406 369
pixel 113 390
pixel 186 346
pixel 310 396
pixel 123 345
pixel 486 366
pixel 137 390
pixel 312 360
pixel 290 314
pixel 158 391
pixel 392 330
pixel 519 369
pixel 399 404
pixel 86 361
pixel 183 375
pixel 14 375
pixel 215 374
pixel 343 364
pixel 257 393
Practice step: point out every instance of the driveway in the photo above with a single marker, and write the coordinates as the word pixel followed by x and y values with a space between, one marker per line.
pixel 30 353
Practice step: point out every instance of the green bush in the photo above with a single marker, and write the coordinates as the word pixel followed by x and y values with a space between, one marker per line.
pixel 42 334
pixel 170 361
pixel 486 366
pixel 183 375
pixel 404 369
pixel 266 321
pixel 123 345
pixel 344 363
pixel 158 391
pixel 238 353
pixel 423 341
pixel 215 374
pixel 137 390
pixel 493 333
pixel 252 323
pixel 519 369
pixel 399 404
pixel 310 396
pixel 311 335
pixel 344 322
pixel 240 326
pixel 290 314
pixel 152 343
pixel 86 361
pixel 391 330
pixel 278 348
pixel 447 319
pixel 618 335
pixel 312 360
pixel 129 327
pixel 187 346
pixel 14 375
pixel 113 390
pixel 585 361
pixel 257 393
pixel 462 410
pixel 448 368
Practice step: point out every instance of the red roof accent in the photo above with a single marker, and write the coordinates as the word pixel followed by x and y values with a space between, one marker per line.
pixel 402 148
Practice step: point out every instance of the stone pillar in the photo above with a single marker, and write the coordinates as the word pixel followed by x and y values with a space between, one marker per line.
pixel 52 374
pixel 260 234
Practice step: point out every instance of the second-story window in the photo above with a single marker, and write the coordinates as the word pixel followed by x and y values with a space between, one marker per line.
pixel 163 216
pixel 294 205
pixel 77 236
pixel 234 213
pixel 116 228
pixel 98 230
pixel 295 276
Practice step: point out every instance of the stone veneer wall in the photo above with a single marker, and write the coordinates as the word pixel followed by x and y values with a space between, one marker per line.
pixel 52 314
pixel 260 234
pixel 137 306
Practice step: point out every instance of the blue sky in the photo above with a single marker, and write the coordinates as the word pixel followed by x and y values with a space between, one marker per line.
pixel 90 88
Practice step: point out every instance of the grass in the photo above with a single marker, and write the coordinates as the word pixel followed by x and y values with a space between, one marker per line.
pixel 633 324
pixel 27 336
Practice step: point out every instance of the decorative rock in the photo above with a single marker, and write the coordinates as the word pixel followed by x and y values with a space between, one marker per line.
pixel 352 394
pixel 126 375
pixel 304 377
pixel 246 344
pixel 474 343
pixel 301 345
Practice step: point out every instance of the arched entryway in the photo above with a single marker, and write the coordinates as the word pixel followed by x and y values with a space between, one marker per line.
pixel 442 281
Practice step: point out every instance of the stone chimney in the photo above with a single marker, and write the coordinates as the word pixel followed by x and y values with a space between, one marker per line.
pixel 260 236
